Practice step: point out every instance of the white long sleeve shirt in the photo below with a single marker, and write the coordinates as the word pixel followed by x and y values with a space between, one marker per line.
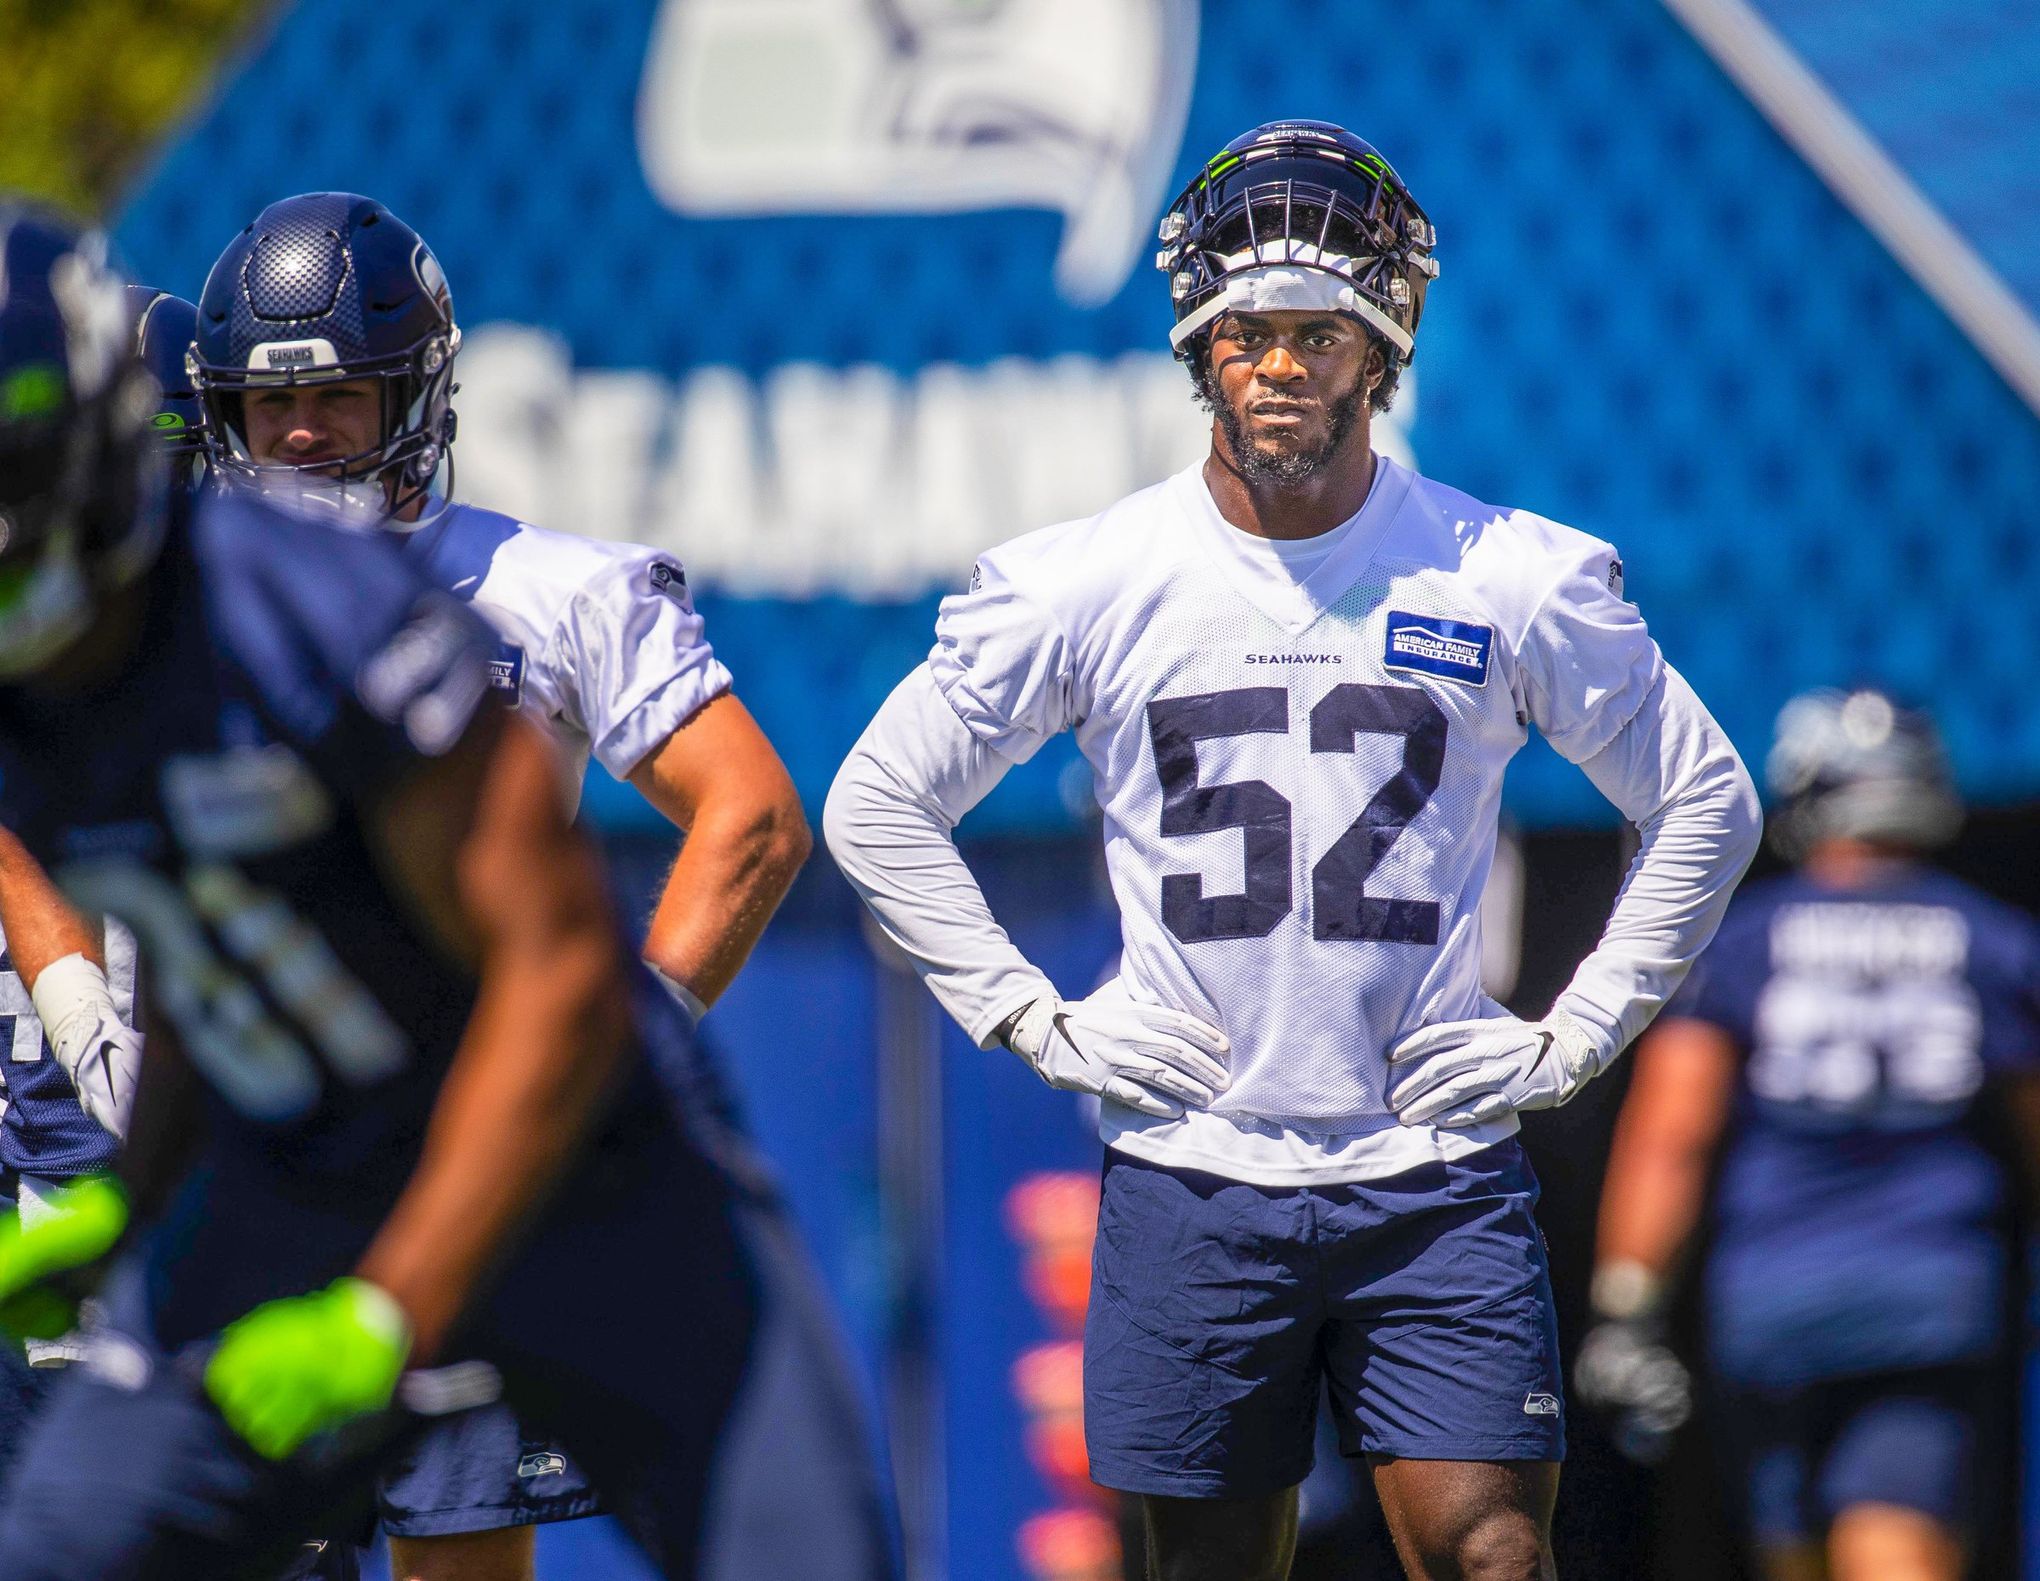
pixel 1298 751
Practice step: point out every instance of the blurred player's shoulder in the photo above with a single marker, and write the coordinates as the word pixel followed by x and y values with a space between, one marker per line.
pixel 261 563
pixel 309 612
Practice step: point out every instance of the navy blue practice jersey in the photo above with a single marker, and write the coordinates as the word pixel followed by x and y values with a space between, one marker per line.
pixel 213 793
pixel 1861 1212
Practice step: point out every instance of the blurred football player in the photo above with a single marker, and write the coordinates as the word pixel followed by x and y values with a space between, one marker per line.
pixel 407 1100
pixel 1298 671
pixel 1838 1056
pixel 69 982
pixel 325 359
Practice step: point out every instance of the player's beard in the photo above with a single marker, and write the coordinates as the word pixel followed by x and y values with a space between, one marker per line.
pixel 1289 468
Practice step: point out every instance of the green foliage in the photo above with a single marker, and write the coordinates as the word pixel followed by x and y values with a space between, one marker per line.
pixel 91 86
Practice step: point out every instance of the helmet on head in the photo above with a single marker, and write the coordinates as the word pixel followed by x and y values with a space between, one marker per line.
pixel 1298 214
pixel 165 327
pixel 327 288
pixel 1856 765
pixel 81 486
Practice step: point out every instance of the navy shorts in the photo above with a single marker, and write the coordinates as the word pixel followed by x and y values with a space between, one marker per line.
pixel 1221 1311
pixel 479 1472
pixel 1921 1440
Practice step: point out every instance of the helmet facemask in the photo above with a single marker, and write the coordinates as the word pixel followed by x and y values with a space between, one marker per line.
pixel 1303 217
pixel 372 487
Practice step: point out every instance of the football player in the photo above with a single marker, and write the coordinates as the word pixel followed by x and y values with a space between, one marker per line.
pixel 325 357
pixel 407 1100
pixel 1298 671
pixel 1840 1066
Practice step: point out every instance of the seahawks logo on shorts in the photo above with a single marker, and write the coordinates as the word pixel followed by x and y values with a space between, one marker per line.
pixel 1540 1405
pixel 545 1464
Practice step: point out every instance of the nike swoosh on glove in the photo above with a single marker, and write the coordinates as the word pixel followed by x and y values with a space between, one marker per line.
pixel 102 1055
pixel 1146 1057
pixel 1462 1073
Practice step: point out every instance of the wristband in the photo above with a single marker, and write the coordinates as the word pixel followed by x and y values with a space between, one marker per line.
pixel 687 998
pixel 1624 1289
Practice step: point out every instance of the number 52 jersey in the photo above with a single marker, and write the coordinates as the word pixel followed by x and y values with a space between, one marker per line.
pixel 1298 750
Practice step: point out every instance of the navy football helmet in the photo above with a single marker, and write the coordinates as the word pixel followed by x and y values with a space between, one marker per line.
pixel 327 288
pixel 165 327
pixel 1307 195
pixel 82 493
pixel 1856 765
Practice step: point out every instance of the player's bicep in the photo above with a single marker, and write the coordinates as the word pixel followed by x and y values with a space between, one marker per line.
pixel 718 758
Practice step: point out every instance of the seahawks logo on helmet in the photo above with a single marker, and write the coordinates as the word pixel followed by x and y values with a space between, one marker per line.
pixel 1298 196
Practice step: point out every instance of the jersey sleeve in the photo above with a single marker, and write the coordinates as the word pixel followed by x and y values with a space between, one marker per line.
pixel 365 667
pixel 634 658
pixel 1002 663
pixel 1588 660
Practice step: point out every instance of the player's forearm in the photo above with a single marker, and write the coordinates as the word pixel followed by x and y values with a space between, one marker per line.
pixel 1663 1152
pixel 545 1040
pixel 1651 1203
pixel 735 867
pixel 39 922
pixel 1673 772
pixel 889 824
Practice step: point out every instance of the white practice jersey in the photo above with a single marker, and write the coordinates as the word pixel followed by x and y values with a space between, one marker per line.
pixel 601 643
pixel 1298 750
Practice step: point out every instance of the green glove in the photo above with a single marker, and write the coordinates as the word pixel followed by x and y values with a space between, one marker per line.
pixel 301 1365
pixel 79 1224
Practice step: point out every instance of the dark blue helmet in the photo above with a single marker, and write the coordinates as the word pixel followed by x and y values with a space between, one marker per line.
pixel 1313 201
pixel 1857 765
pixel 326 288
pixel 165 327
pixel 81 485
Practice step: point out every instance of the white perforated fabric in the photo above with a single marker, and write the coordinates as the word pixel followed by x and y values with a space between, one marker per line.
pixel 1180 649
pixel 602 642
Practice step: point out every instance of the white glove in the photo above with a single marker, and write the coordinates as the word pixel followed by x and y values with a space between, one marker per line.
pixel 100 1052
pixel 1143 1056
pixel 1462 1073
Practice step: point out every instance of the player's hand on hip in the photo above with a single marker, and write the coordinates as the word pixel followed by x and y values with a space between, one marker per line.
pixel 305 1364
pixel 101 1054
pixel 1147 1057
pixel 1462 1073
pixel 48 1259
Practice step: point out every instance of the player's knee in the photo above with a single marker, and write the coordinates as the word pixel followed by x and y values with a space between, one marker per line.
pixel 1501 1545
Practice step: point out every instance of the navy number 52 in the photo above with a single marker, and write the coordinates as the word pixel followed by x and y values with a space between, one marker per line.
pixel 1340 907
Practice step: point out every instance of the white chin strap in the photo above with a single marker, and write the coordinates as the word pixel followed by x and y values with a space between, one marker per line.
pixel 1291 277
